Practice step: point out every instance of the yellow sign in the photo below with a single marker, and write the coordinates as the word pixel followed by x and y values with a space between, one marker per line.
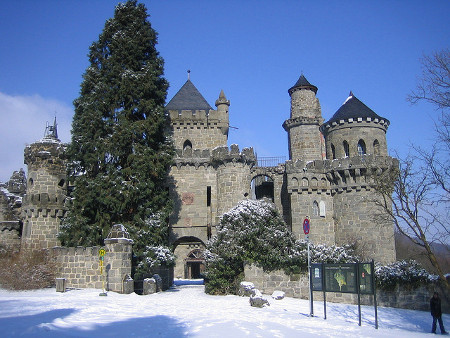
pixel 102 252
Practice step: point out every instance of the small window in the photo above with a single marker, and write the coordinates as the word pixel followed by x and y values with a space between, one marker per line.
pixel 346 149
pixel 376 147
pixel 333 152
pixel 315 209
pixel 322 210
pixel 208 196
pixel 187 145
pixel 361 148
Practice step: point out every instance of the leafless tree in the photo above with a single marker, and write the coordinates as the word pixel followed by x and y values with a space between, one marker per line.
pixel 434 84
pixel 415 195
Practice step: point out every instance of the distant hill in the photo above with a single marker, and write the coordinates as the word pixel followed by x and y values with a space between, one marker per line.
pixel 408 250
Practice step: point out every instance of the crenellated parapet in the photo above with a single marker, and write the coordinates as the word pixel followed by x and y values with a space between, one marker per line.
pixel 356 122
pixel 336 176
pixel 48 153
pixel 225 155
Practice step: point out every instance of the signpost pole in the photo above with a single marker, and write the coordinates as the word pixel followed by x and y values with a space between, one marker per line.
pixel 372 268
pixel 324 293
pixel 311 312
pixel 101 254
pixel 306 227
pixel 359 292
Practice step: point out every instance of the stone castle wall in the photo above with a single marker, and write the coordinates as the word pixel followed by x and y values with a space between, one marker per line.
pixel 204 130
pixel 297 286
pixel 81 266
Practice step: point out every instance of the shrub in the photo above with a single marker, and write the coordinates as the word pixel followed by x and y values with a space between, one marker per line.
pixel 404 273
pixel 27 270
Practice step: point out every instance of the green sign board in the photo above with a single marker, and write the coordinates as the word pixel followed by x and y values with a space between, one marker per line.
pixel 340 278
pixel 316 276
pixel 365 278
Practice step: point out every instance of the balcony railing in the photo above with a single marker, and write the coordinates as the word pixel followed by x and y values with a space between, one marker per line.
pixel 270 161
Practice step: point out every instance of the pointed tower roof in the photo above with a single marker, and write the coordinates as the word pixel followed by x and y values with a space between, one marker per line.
pixel 302 83
pixel 354 108
pixel 188 98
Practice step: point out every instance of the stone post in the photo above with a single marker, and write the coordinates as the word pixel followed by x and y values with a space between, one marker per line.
pixel 118 259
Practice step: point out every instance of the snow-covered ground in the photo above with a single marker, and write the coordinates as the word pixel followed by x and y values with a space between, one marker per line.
pixel 186 311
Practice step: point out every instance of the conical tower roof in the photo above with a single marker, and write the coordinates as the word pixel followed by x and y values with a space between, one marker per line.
pixel 302 83
pixel 188 98
pixel 354 108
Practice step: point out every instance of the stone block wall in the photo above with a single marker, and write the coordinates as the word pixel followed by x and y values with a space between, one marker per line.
pixel 297 286
pixel 81 266
pixel 9 234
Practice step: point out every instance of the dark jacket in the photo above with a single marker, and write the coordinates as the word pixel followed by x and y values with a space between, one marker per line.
pixel 435 307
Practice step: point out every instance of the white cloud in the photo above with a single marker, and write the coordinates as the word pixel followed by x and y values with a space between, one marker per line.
pixel 22 121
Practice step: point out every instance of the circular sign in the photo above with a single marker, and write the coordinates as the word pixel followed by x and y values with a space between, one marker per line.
pixel 306 226
pixel 102 252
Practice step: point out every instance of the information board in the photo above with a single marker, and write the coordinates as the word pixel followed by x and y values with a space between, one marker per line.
pixel 340 278
pixel 365 278
pixel 316 276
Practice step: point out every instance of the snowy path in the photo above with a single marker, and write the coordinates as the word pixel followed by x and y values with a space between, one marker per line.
pixel 186 311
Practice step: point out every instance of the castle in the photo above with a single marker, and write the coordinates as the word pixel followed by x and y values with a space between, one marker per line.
pixel 327 178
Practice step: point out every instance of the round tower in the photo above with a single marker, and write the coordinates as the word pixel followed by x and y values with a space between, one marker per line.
pixel 233 175
pixel 305 138
pixel 355 140
pixel 46 187
pixel 354 130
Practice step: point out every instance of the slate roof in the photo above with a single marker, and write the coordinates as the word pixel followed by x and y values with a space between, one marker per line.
pixel 188 98
pixel 354 108
pixel 302 82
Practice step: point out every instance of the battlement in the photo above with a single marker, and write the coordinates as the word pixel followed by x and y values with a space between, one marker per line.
pixel 177 116
pixel 44 199
pixel 222 155
pixel 337 175
pixel 358 122
pixel 219 155
pixel 46 152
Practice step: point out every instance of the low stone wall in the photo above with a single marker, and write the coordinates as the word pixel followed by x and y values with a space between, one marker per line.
pixel 297 286
pixel 81 266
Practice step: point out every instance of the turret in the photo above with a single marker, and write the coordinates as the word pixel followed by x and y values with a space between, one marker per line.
pixel 43 205
pixel 194 123
pixel 305 138
pixel 355 130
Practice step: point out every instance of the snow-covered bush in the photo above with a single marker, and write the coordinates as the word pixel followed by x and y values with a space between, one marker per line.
pixel 157 255
pixel 404 273
pixel 252 232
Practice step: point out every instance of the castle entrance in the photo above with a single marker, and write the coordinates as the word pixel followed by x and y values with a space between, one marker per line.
pixel 190 261
pixel 195 265
pixel 262 187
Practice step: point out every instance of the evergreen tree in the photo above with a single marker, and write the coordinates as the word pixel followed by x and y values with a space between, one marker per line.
pixel 120 151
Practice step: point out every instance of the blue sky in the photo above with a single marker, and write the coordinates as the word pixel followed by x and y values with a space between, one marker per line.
pixel 253 50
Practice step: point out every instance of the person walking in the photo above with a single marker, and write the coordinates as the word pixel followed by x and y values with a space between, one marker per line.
pixel 436 312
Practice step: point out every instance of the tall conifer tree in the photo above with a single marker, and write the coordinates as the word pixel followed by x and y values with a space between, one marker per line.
pixel 120 150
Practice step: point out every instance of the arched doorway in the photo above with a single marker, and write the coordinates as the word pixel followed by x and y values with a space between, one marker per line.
pixel 262 187
pixel 195 264
pixel 190 261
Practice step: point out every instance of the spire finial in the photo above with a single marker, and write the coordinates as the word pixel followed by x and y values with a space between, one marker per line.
pixel 189 74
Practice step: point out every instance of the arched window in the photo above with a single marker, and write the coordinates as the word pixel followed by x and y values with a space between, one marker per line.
pixel 346 149
pixel 361 148
pixel 333 152
pixel 376 147
pixel 187 145
pixel 315 209
pixel 322 211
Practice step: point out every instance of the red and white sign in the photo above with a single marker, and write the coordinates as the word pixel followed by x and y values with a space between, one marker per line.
pixel 306 226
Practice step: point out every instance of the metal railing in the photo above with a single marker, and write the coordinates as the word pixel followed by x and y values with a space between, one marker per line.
pixel 270 161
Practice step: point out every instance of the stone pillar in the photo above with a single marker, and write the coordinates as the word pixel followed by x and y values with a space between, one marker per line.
pixel 118 258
